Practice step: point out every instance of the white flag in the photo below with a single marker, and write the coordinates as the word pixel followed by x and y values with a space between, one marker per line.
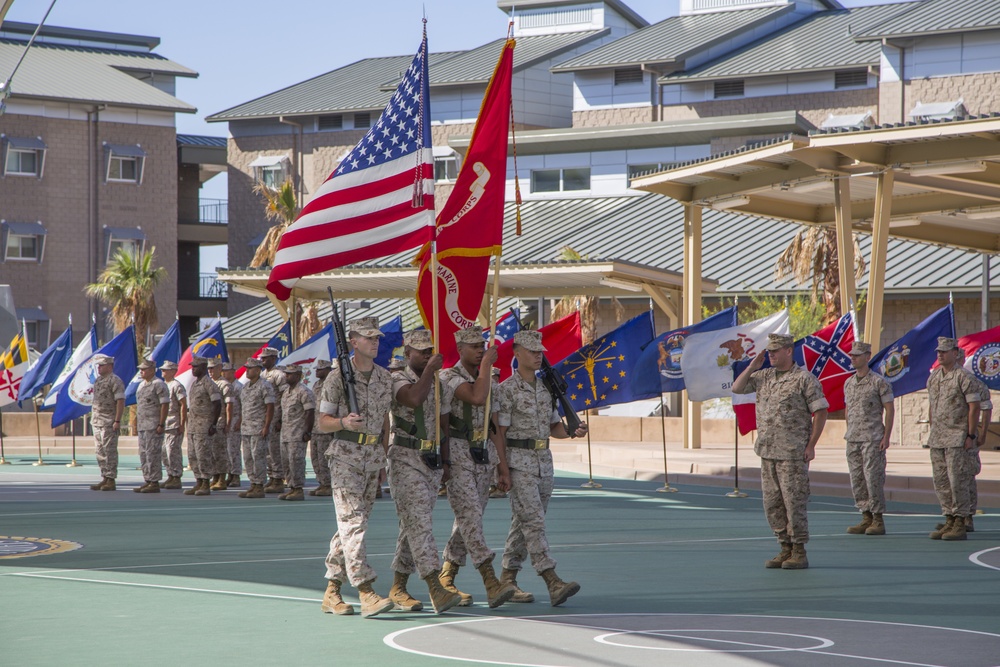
pixel 83 351
pixel 307 354
pixel 708 357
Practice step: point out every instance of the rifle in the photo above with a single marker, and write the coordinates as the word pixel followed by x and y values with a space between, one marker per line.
pixel 344 355
pixel 557 387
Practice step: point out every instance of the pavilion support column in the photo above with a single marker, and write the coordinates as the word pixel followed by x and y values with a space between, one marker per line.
pixel 692 310
pixel 985 296
pixel 845 243
pixel 880 245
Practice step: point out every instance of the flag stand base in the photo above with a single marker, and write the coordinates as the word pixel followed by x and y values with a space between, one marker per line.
pixel 4 462
pixel 74 464
pixel 39 462
pixel 736 493
pixel 666 488
pixel 591 484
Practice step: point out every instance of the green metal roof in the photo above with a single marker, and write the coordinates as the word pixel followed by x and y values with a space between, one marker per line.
pixel 930 17
pixel 671 40
pixel 823 41
pixel 352 87
pixel 90 75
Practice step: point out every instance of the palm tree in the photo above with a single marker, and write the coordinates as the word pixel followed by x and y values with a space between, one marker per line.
pixel 281 206
pixel 812 255
pixel 586 305
pixel 127 284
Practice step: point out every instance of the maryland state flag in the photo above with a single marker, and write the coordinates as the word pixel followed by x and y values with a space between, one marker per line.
pixel 13 366
pixel 469 228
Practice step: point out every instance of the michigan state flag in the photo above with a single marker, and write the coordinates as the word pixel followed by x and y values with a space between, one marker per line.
pixel 390 345
pixel 599 374
pixel 907 362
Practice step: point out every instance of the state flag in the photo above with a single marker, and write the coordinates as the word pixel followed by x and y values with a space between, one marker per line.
pixel 84 350
pixel 167 349
pixel 13 365
pixel 211 344
pixel 907 362
pixel 76 397
pixel 48 366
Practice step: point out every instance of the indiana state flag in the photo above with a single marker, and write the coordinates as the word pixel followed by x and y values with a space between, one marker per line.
pixel 168 349
pixel 599 374
pixel 390 345
pixel 77 394
pixel 907 363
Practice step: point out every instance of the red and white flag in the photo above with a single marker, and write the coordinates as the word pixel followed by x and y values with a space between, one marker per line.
pixel 469 229
pixel 378 201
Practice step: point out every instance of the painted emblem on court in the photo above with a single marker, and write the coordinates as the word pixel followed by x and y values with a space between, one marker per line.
pixel 22 547
pixel 894 365
pixel 986 363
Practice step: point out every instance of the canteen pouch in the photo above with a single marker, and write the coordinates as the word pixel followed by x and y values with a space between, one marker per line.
pixel 479 454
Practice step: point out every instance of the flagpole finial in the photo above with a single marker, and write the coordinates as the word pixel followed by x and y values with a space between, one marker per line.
pixel 70 318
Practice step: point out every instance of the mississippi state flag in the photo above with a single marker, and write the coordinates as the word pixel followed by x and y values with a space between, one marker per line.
pixel 378 201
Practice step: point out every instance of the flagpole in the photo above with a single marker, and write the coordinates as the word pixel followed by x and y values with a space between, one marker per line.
pixel 3 461
pixel 666 488
pixel 72 430
pixel 590 484
pixel 736 493
pixel 38 435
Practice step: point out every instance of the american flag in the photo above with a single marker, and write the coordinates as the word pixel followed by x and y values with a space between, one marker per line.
pixel 378 201
pixel 507 326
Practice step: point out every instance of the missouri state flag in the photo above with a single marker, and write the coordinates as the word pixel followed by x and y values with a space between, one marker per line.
pixel 599 374
pixel 982 356
pixel 469 230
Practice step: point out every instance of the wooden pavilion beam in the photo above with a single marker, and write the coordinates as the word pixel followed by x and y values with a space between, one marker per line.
pixel 692 310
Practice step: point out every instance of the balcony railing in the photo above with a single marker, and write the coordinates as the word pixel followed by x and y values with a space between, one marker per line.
pixel 210 287
pixel 213 211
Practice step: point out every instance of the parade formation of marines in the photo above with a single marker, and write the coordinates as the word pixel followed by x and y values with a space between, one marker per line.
pixel 469 433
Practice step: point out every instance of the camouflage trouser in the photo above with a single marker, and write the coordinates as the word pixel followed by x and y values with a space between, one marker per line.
pixel 468 493
pixel 173 461
pixel 531 482
pixel 952 472
pixel 866 463
pixel 150 452
pixel 975 467
pixel 233 445
pixel 201 455
pixel 293 462
pixel 106 444
pixel 255 457
pixel 220 452
pixel 318 445
pixel 414 489
pixel 274 460
pixel 785 489
pixel 354 489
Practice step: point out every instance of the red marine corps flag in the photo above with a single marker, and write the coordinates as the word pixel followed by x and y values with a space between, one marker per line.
pixel 378 201
pixel 470 226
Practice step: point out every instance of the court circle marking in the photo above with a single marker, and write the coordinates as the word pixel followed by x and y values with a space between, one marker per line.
pixel 975 558
pixel 12 546
pixel 675 634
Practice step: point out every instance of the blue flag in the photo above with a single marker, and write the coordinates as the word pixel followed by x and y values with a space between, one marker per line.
pixel 390 343
pixel 906 363
pixel 77 394
pixel 48 367
pixel 282 341
pixel 168 349
pixel 599 374
pixel 507 326
pixel 658 368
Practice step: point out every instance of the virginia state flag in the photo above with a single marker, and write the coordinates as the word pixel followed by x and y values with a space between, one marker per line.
pixel 469 228
pixel 48 367
pixel 658 368
pixel 390 345
pixel 599 374
pixel 907 363
pixel 210 344
pixel 982 356
pixel 168 349
pixel 561 338
pixel 281 341
pixel 84 349
pixel 76 397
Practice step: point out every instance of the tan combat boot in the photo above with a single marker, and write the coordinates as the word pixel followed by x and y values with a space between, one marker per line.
pixel 786 553
pixel 957 530
pixel 193 489
pixel 442 600
pixel 447 578
pixel 970 527
pixel 400 597
pixel 332 602
pixel 559 590
pixel 866 520
pixel 277 486
pixel 371 603
pixel 325 490
pixel 877 527
pixel 152 487
pixel 204 490
pixel 99 485
pixel 294 493
pixel 220 483
pixel 942 528
pixel 109 484
pixel 139 489
pixel 497 592
pixel 798 560
pixel 510 577
pixel 172 483
pixel 255 491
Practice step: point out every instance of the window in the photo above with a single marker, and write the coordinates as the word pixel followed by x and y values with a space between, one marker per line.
pixel 130 239
pixel 725 89
pixel 271 170
pixel 362 120
pixel 446 163
pixel 124 163
pixel 850 78
pixel 36 326
pixel 23 241
pixel 560 180
pixel 335 122
pixel 22 157
pixel 626 76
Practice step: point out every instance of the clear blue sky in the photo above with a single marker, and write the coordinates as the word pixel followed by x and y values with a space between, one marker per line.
pixel 243 49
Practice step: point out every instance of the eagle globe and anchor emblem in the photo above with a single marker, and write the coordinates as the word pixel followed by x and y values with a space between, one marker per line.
pixel 894 366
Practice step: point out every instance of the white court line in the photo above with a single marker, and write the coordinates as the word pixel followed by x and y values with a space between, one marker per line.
pixel 162 565
pixel 172 508
pixel 975 558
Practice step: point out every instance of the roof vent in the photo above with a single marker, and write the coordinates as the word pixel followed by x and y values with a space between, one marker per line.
pixel 854 121
pixel 939 111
